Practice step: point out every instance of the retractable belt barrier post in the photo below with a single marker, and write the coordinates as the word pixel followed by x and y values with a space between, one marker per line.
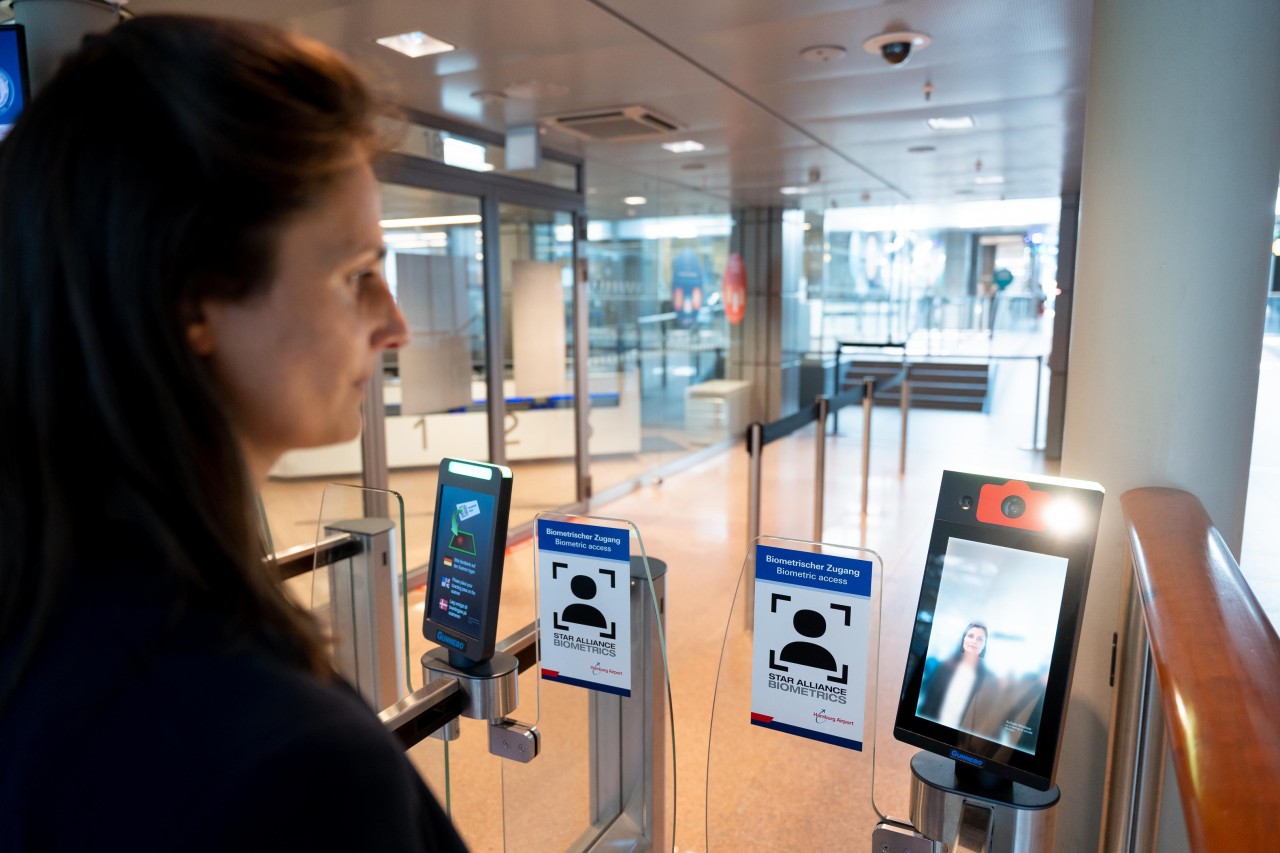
pixel 760 434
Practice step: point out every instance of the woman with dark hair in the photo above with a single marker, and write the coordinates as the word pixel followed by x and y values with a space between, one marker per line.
pixel 190 285
pixel 947 696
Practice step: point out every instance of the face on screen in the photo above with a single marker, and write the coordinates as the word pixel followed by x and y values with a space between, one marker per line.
pixel 991 642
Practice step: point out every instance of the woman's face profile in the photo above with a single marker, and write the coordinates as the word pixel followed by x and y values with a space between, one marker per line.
pixel 293 362
pixel 974 640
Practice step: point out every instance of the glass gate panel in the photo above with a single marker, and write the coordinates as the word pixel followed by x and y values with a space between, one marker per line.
pixel 536 254
pixel 434 388
pixel 794 715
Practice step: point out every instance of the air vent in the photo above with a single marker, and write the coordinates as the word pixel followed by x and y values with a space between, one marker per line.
pixel 615 124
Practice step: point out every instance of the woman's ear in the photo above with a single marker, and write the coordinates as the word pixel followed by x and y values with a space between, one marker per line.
pixel 200 333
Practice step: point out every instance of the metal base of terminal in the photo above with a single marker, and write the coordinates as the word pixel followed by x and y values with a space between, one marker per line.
pixel 969 818
pixel 491 687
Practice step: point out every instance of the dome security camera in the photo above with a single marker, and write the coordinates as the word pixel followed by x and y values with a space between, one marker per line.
pixel 896 52
pixel 895 47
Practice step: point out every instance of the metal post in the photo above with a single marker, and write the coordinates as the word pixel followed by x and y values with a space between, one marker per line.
pixel 755 446
pixel 1035 413
pixel 662 327
pixel 820 468
pixel 906 407
pixel 835 392
pixel 363 594
pixel 627 736
pixel 868 392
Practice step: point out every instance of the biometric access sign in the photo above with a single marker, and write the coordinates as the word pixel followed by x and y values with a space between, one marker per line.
pixel 584 581
pixel 809 652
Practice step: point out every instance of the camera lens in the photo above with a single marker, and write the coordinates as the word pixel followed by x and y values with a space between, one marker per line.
pixel 966 502
pixel 1013 506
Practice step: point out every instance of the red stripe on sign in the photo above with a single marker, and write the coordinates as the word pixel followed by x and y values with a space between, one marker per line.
pixel 761 718
pixel 550 673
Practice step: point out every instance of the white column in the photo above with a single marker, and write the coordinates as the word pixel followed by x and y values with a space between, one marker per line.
pixel 1181 157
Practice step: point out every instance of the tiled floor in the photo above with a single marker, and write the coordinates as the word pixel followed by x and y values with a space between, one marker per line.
pixel 768 790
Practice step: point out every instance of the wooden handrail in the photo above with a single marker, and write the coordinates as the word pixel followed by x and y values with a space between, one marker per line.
pixel 1217 659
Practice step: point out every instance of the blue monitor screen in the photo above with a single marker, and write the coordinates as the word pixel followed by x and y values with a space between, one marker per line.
pixel 12 77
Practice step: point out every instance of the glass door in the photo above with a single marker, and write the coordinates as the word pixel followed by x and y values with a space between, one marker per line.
pixel 536 259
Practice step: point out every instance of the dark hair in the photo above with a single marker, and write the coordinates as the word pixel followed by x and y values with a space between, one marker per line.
pixel 986 635
pixel 154 171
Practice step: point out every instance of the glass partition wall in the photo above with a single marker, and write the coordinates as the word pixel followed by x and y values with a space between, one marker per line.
pixel 576 353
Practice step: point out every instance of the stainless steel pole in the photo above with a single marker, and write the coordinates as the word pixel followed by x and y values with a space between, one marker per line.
pixel 364 596
pixel 628 736
pixel 868 391
pixel 755 446
pixel 820 468
pixel 1035 413
pixel 906 407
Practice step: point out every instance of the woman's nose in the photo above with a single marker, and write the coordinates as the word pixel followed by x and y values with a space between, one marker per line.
pixel 393 332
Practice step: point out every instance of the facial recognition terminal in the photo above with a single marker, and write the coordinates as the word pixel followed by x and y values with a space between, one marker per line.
pixel 473 501
pixel 994 643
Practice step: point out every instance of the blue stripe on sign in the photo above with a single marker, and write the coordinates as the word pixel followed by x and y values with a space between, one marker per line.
pixel 820 571
pixel 590 685
pixel 585 540
pixel 847 743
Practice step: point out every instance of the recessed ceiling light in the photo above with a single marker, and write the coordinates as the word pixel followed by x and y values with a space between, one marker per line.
pixel 535 90
pixel 415 44
pixel 635 200
pixel 921 149
pixel 989 179
pixel 958 123
pixel 683 147
pixel 794 190
pixel 489 96
pixel 430 221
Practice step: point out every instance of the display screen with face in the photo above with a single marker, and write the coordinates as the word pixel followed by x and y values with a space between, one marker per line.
pixel 991 652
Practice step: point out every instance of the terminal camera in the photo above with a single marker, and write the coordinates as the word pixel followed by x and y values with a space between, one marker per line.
pixel 895 52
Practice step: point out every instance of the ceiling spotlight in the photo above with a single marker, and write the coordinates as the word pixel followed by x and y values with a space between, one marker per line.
pixel 415 44
pixel 683 147
pixel 822 53
pixel 815 174
pixel 989 179
pixel 895 47
pixel 635 200
pixel 489 96
pixel 794 190
pixel 535 90
pixel 957 123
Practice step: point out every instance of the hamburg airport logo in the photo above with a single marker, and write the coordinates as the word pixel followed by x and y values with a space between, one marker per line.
pixel 601 669
pixel 821 717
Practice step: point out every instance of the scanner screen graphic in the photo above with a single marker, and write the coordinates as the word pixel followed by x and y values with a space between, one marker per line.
pixel 462 578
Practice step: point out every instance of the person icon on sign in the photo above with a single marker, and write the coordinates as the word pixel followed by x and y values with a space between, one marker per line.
pixel 811 624
pixel 580 613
